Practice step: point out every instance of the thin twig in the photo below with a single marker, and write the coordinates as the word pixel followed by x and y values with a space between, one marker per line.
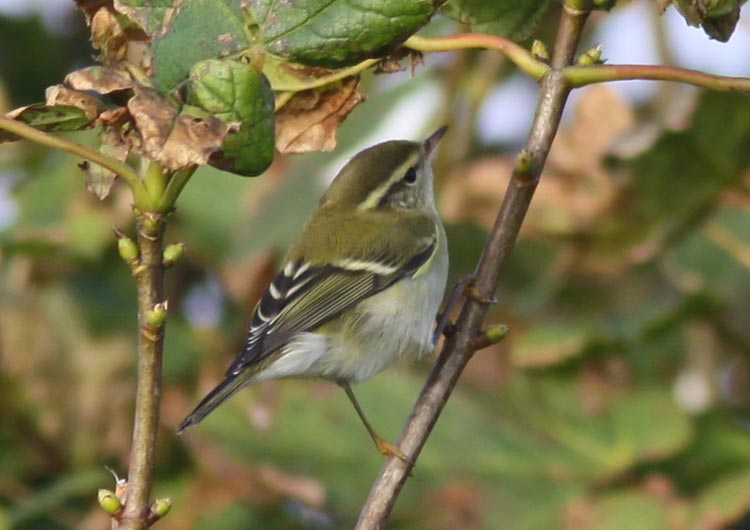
pixel 149 277
pixel 458 349
pixel 579 76
pixel 122 170
pixel 518 55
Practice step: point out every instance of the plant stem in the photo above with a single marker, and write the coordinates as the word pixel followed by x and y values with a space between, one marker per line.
pixel 174 188
pixel 149 276
pixel 518 55
pixel 579 76
pixel 337 75
pixel 122 170
pixel 459 347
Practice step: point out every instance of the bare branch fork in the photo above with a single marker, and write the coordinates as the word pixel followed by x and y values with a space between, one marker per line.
pixel 460 346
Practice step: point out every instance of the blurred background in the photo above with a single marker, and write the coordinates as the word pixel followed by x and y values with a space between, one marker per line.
pixel 619 400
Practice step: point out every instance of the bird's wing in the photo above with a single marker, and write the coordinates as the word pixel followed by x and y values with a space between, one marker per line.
pixel 302 297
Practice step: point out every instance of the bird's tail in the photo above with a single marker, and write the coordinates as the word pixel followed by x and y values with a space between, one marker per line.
pixel 222 392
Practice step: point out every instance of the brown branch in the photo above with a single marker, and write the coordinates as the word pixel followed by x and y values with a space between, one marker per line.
pixel 459 347
pixel 149 275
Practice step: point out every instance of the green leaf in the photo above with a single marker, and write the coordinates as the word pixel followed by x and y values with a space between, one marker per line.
pixel 506 18
pixel 199 29
pixel 679 180
pixel 56 118
pixel 148 14
pixel 715 259
pixel 619 511
pixel 723 502
pixel 235 92
pixel 336 33
pixel 550 343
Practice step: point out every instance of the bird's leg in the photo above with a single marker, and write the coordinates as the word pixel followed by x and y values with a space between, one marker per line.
pixel 386 448
pixel 444 325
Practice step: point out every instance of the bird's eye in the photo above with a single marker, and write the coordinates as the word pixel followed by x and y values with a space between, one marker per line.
pixel 411 175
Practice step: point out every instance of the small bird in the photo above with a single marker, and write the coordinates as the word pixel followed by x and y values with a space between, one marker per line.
pixel 360 287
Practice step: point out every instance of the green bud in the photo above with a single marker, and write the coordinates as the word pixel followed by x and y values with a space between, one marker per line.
pixel 539 51
pixel 151 222
pixel 591 56
pixel 161 507
pixel 496 332
pixel 109 501
pixel 156 316
pixel 128 249
pixel 173 253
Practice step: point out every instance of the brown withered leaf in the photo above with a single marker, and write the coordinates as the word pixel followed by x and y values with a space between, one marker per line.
pixel 99 180
pixel 108 36
pixel 309 121
pixel 113 117
pixel 59 95
pixel 99 79
pixel 462 504
pixel 576 187
pixel 90 7
pixel 392 63
pixel 174 140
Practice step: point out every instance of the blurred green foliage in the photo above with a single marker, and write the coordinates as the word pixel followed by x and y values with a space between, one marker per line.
pixel 619 400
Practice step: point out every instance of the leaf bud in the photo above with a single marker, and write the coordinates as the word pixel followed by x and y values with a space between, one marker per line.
pixel 128 250
pixel 539 51
pixel 156 316
pixel 173 253
pixel 109 501
pixel 591 56
pixel 161 507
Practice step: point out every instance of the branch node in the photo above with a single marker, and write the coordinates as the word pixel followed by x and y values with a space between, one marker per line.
pixel 152 224
pixel 471 292
pixel 157 315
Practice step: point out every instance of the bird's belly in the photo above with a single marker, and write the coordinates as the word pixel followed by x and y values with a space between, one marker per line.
pixel 397 321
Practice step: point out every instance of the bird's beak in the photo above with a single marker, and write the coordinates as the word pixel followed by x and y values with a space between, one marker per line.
pixel 432 141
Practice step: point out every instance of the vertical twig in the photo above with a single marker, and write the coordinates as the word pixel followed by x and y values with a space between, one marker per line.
pixel 459 348
pixel 149 276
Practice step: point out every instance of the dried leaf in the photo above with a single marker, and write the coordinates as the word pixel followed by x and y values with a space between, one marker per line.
pixel 577 185
pixel 90 7
pixel 392 63
pixel 175 140
pixel 107 36
pixel 45 118
pixel 113 117
pixel 308 122
pixel 461 506
pixel 59 95
pixel 100 79
pixel 100 180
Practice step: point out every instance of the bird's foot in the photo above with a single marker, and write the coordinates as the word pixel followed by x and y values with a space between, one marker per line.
pixel 387 449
